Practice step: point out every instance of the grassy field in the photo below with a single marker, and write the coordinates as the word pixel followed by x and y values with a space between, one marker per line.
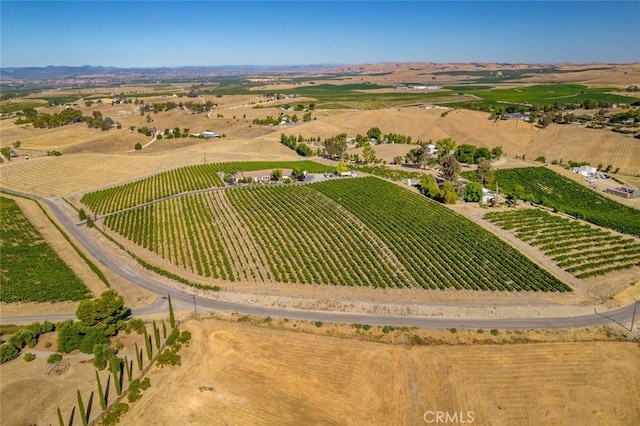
pixel 543 186
pixel 31 270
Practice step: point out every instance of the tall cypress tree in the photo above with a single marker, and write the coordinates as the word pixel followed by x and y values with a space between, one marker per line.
pixel 172 317
pixel 138 357
pixel 156 334
pixel 60 419
pixel 83 413
pixel 103 401
pixel 147 344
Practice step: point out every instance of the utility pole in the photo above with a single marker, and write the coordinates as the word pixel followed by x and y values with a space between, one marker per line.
pixel 195 308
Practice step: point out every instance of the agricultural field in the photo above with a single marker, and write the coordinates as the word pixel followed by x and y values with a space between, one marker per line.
pixel 549 94
pixel 540 185
pixel 180 180
pixel 580 249
pixel 238 374
pixel 355 232
pixel 31 269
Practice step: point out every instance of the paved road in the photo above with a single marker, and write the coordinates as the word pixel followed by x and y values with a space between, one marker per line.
pixel 185 300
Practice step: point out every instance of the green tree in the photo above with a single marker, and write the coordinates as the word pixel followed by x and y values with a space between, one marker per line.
pixel 484 172
pixel 105 313
pixel 398 159
pixel 429 187
pixel 8 352
pixel 101 398
pixel 369 154
pixel 276 175
pixel 83 413
pixel 481 153
pixel 374 133
pixel 450 193
pixel 342 167
pixel 473 192
pixel 336 146
pixel 444 147
pixel 465 153
pixel 101 354
pixel 172 317
pixel 496 152
pixel 138 146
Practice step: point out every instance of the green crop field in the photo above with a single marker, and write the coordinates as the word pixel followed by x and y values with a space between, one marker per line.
pixel 549 94
pixel 184 179
pixel 543 186
pixel 352 232
pixel 31 271
pixel 362 96
pixel 580 249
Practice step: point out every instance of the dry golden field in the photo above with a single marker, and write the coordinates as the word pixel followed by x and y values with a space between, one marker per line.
pixel 234 374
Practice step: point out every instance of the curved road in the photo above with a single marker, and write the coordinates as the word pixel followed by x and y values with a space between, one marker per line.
pixel 185 300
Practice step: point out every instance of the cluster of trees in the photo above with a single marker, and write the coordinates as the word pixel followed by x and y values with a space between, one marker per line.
pixel 63 118
pixel 175 133
pixel 471 154
pixel 27 336
pixel 420 156
pixel 198 108
pixel 297 145
pixel 100 319
pixel 336 146
pixel 375 134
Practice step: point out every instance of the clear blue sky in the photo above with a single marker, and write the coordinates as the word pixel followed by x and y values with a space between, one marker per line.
pixel 179 33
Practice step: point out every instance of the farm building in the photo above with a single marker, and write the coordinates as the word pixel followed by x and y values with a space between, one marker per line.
pixel 586 171
pixel 431 149
pixel 207 134
pixel 624 192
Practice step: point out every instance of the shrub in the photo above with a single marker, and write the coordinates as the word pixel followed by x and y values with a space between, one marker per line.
pixel 135 324
pixel 101 354
pixel 114 412
pixel 495 332
pixel 318 324
pixel 53 358
pixel 169 357
pixel 138 146
pixel 29 356
pixel 8 352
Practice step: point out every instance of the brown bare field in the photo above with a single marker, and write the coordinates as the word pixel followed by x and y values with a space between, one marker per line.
pixel 597 74
pixel 295 372
pixel 234 374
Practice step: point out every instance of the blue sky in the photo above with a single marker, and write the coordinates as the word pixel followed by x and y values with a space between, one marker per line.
pixel 180 33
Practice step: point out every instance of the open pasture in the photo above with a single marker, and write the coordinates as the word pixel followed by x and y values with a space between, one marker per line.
pixel 249 375
pixel 580 249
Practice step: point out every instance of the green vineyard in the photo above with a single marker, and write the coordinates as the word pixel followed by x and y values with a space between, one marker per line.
pixel 352 232
pixel 540 185
pixel 580 249
pixel 184 179
pixel 31 270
